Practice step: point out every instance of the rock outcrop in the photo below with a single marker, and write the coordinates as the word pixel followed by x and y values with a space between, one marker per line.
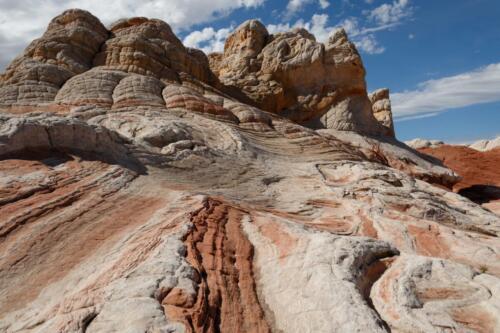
pixel 66 49
pixel 423 143
pixel 290 74
pixel 484 145
pixel 381 106
pixel 479 171
pixel 153 189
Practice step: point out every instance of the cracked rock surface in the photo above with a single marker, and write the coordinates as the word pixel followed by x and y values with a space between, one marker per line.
pixel 146 187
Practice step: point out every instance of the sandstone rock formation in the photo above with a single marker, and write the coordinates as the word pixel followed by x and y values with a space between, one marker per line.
pixel 423 143
pixel 290 74
pixel 484 145
pixel 381 106
pixel 67 48
pixel 149 192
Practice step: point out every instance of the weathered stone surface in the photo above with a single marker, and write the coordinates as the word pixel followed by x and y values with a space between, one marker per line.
pixel 423 143
pixel 483 145
pixel 291 74
pixel 67 48
pixel 149 47
pixel 144 197
pixel 381 106
pixel 431 295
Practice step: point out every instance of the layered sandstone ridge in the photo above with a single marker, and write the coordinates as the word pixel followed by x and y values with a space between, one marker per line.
pixel 79 62
pixel 291 74
pixel 145 187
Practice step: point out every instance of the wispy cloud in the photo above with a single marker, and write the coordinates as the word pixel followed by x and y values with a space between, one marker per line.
pixel 418 116
pixel 431 97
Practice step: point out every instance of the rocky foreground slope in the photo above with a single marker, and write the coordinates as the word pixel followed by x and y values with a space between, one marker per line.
pixel 146 187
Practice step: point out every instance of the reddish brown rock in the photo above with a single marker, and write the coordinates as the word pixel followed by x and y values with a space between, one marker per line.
pixel 144 195
pixel 479 171
pixel 222 255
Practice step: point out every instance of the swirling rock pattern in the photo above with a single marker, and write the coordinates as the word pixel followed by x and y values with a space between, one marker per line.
pixel 147 188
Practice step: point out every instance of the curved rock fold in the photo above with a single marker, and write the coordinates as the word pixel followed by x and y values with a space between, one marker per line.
pixel 148 187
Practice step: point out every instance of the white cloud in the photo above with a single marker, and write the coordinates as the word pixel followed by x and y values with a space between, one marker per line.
pixel 294 6
pixel 369 45
pixel 418 116
pixel 274 28
pixel 363 38
pixel 411 36
pixel 24 20
pixel 351 26
pixel 476 87
pixel 208 40
pixel 318 26
pixel 324 4
pixel 391 13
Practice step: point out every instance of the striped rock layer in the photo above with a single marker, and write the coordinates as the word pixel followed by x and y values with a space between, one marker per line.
pixel 146 187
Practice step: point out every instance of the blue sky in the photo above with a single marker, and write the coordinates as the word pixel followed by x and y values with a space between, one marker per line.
pixel 440 58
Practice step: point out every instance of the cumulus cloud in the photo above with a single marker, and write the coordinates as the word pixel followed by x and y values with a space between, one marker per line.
pixel 295 6
pixel 208 40
pixel 369 45
pixel 391 13
pixel 317 25
pixel 24 20
pixel 431 97
pixel 324 4
pixel 363 38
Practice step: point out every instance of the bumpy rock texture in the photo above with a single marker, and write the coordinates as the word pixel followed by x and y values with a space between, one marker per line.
pixel 314 84
pixel 381 106
pixel 423 143
pixel 147 188
pixel 484 145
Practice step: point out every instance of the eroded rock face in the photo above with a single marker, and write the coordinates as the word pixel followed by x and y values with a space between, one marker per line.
pixel 423 143
pixel 319 85
pixel 381 106
pixel 66 49
pixel 149 47
pixel 144 196
pixel 485 145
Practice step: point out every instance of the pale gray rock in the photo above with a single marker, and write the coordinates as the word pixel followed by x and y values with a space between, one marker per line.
pixel 423 143
pixel 142 195
pixel 485 145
